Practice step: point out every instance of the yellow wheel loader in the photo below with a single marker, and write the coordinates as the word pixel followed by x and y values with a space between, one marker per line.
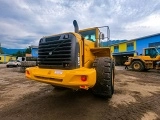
pixel 149 60
pixel 75 60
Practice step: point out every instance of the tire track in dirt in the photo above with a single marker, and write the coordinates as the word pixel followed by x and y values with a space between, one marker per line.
pixel 137 97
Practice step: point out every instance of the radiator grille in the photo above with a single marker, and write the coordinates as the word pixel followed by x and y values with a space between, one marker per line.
pixel 57 52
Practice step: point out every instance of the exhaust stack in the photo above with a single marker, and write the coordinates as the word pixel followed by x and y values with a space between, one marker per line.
pixel 76 28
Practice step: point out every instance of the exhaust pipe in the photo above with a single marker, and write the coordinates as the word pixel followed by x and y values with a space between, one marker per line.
pixel 76 28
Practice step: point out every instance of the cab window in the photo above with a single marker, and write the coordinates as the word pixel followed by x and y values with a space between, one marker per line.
pixel 151 52
pixel 89 35
pixel 158 50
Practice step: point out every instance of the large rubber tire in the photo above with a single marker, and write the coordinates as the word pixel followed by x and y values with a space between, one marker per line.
pixel 22 69
pixel 137 66
pixel 104 86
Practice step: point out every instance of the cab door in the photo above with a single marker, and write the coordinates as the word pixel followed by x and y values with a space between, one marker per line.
pixel 152 52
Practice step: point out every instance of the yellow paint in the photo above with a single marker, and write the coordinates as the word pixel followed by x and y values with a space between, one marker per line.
pixel 146 60
pixel 135 54
pixel 135 47
pixel 112 49
pixel 65 78
pixel 6 58
pixel 122 47
pixel 72 78
pixel 1 58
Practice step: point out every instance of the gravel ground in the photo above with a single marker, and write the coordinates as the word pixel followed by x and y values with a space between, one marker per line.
pixel 136 97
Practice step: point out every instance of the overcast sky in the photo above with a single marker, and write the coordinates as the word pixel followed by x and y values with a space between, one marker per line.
pixel 24 22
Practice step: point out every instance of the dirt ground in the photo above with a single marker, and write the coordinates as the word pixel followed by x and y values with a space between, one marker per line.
pixel 136 97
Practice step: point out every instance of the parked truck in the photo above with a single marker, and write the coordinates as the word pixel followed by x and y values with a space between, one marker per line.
pixel 27 62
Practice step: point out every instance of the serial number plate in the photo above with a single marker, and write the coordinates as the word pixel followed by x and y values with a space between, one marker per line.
pixel 58 72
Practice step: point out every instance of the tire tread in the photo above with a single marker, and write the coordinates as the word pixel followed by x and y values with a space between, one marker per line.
pixel 103 86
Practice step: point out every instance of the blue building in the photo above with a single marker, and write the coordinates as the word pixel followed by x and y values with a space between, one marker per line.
pixel 148 41
pixel 123 50
pixel 34 51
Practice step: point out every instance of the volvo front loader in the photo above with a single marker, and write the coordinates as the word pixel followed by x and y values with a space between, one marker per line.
pixel 75 60
pixel 149 60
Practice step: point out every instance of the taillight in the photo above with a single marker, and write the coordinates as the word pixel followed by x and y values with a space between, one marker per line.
pixel 83 77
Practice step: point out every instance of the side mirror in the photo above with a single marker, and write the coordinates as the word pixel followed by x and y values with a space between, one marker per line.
pixel 102 36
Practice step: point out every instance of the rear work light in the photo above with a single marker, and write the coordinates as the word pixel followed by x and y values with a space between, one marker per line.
pixel 83 77
pixel 84 87
pixel 27 72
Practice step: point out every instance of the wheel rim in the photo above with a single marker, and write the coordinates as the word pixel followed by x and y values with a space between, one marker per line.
pixel 136 66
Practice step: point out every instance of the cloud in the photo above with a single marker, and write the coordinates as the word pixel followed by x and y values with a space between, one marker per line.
pixel 24 22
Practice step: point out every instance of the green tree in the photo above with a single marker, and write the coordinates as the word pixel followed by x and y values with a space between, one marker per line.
pixel 28 50
pixel 22 54
pixel 1 51
pixel 19 54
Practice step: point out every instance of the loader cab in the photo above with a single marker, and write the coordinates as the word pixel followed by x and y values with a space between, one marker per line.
pixel 96 34
pixel 89 34
pixel 152 52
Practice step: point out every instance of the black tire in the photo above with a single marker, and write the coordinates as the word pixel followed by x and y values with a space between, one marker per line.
pixel 137 66
pixel 146 70
pixel 104 86
pixel 22 69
